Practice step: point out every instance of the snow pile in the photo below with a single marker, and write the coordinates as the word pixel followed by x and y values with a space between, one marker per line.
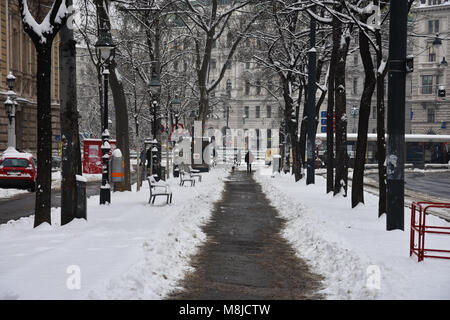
pixel 351 247
pixel 9 193
pixel 127 250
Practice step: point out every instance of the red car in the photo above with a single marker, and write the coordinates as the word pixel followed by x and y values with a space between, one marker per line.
pixel 18 170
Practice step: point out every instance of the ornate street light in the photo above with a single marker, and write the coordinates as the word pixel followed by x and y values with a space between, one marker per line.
pixel 155 85
pixel 176 106
pixel 10 81
pixel 105 48
pixel 10 107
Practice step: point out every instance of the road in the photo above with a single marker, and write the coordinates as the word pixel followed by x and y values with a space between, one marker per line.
pixel 436 184
pixel 22 205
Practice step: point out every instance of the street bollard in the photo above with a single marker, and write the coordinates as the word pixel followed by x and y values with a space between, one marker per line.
pixel 117 166
pixel 276 160
pixel 81 198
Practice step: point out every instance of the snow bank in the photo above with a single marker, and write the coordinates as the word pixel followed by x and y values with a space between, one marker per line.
pixel 127 250
pixel 346 245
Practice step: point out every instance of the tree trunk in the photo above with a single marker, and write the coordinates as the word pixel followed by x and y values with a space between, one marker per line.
pixel 330 107
pixel 363 121
pixel 44 135
pixel 381 141
pixel 69 126
pixel 341 177
pixel 122 128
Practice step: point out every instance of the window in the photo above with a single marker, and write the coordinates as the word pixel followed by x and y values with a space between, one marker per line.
pixel 229 40
pixel 214 43
pixel 270 86
pixel 257 111
pixel 213 64
pixel 427 84
pixel 430 115
pixel 355 60
pixel 247 87
pixel 433 26
pixel 247 65
pixel 269 138
pixel 431 53
pixel 246 112
pixel 175 65
pixel 258 87
pixel 355 85
pixel 374 112
pixel 269 112
pixel 229 64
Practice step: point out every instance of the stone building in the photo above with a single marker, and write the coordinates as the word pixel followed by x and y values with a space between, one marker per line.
pixel 430 112
pixel 17 55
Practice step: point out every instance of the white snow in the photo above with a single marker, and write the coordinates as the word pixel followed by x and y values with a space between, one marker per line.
pixel 128 249
pixel 80 178
pixel 117 153
pixel 348 245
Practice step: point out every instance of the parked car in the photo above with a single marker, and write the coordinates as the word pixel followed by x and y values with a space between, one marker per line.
pixel 18 170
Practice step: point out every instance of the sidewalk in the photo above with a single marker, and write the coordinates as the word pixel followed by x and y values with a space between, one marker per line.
pixel 245 256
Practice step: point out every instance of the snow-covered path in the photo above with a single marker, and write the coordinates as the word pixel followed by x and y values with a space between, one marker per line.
pixel 126 250
pixel 351 248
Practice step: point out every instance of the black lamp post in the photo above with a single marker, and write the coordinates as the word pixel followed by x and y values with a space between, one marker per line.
pixel 10 106
pixel 105 51
pixel 155 90
pixel 228 89
pixel 176 106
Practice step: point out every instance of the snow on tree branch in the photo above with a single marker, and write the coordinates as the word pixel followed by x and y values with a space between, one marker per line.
pixel 51 24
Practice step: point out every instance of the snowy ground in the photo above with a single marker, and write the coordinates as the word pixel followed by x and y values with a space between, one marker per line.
pixel 126 250
pixel 351 247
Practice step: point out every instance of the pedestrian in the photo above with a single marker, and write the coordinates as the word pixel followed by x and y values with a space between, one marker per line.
pixel 249 160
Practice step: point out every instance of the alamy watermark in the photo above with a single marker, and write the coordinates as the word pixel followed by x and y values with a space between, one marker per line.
pixel 73 282
pixel 373 281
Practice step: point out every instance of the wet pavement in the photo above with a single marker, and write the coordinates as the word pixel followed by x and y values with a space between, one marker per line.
pixel 435 184
pixel 245 257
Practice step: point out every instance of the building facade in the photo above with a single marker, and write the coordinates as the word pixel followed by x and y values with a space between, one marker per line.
pixel 430 112
pixel 17 55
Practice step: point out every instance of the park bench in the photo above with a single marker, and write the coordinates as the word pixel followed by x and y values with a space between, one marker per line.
pixel 186 176
pixel 194 173
pixel 158 188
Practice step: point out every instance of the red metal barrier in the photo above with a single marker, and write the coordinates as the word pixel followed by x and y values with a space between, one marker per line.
pixel 421 228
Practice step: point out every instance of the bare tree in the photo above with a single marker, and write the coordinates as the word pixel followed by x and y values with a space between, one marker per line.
pixel 42 36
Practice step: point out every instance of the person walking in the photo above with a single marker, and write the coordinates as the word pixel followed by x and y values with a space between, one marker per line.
pixel 248 160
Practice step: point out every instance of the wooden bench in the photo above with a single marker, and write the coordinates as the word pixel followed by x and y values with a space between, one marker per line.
pixel 158 188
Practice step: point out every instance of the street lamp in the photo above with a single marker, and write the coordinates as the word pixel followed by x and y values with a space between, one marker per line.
pixel 10 81
pixel 176 106
pixel 10 107
pixel 105 51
